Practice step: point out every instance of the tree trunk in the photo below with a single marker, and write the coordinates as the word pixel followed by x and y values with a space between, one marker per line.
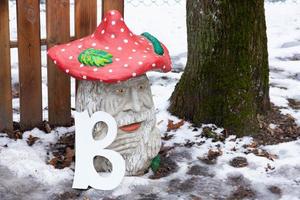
pixel 226 79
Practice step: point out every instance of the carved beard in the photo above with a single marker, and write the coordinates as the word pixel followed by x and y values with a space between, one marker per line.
pixel 128 103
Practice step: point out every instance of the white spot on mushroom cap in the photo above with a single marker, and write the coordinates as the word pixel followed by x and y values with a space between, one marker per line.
pixel 55 61
pixel 129 57
pixel 67 71
pixel 113 23
pixel 105 19
pixel 95 69
pixel 94 44
pixel 112 36
pixel 125 41
pixel 122 30
pixel 122 19
pixel 70 57
pixel 110 70
pixel 134 74
pixel 81 65
pixel 112 12
pixel 140 62
pixel 106 47
pixel 117 59
pixel 84 77
pixel 133 50
pixel 125 65
pixel 79 46
pixel 103 31
pixel 119 48
pixel 63 50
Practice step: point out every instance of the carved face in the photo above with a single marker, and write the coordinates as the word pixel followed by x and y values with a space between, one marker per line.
pixel 131 104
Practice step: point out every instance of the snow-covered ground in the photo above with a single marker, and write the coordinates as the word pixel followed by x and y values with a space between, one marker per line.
pixel 23 168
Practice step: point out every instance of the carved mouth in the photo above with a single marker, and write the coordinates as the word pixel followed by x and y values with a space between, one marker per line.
pixel 131 127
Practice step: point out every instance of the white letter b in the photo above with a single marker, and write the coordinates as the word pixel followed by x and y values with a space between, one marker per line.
pixel 86 148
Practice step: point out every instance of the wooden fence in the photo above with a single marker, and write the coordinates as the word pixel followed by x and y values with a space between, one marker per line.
pixel 29 52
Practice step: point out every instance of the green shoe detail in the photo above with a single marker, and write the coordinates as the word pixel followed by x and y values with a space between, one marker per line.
pixel 155 163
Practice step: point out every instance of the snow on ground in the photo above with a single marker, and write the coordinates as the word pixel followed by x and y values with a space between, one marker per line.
pixel 21 164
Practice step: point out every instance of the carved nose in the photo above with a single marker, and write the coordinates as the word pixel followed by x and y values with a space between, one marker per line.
pixel 135 100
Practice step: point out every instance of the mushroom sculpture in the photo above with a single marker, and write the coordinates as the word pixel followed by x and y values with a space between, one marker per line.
pixel 111 65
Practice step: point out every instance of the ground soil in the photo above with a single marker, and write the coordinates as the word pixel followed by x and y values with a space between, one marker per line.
pixel 285 129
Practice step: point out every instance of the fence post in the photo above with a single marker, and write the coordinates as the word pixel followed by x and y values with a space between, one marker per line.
pixel 112 5
pixel 85 19
pixel 58 31
pixel 5 74
pixel 28 15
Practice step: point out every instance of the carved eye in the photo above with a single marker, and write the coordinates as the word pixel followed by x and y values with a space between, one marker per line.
pixel 120 91
pixel 141 87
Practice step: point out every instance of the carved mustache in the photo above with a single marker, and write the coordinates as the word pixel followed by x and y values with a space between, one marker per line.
pixel 127 118
pixel 132 117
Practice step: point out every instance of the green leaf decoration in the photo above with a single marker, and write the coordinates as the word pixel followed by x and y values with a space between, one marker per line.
pixel 155 163
pixel 158 49
pixel 95 57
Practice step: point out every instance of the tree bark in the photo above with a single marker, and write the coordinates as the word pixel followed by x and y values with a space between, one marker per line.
pixel 226 79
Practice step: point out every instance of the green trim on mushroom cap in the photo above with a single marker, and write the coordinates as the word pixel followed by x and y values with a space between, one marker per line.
pixel 158 49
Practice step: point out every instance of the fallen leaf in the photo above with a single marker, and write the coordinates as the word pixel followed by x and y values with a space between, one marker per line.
pixel 16 134
pixel 164 150
pixel 208 132
pixel 194 197
pixel 60 162
pixel 239 162
pixel 70 153
pixel 211 156
pixel 269 167
pixel 31 140
pixel 264 153
pixel 54 162
pixel 47 127
pixel 167 136
pixel 251 145
pixel 174 126
pixel 214 154
pixel 189 143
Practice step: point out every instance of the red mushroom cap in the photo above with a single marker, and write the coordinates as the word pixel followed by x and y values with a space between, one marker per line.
pixel 111 54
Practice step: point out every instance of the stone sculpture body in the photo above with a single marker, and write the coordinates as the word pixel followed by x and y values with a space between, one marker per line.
pixel 111 65
pixel 131 104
